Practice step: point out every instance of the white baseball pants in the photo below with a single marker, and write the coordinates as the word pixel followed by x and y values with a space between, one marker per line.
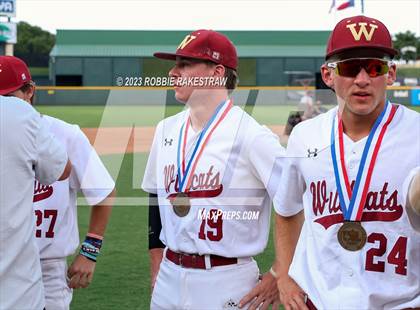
pixel 58 295
pixel 199 289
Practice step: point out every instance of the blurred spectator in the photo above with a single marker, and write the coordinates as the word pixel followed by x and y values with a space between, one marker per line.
pixel 306 105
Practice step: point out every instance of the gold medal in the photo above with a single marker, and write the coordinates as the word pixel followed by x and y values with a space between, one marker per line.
pixel 181 204
pixel 352 236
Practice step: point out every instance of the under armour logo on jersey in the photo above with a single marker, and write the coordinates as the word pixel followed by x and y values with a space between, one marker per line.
pixel 313 153
pixel 168 141
pixel 362 30
pixel 230 304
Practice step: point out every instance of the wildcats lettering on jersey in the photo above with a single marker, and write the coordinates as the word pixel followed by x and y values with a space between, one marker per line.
pixel 379 206
pixel 201 182
pixel 41 191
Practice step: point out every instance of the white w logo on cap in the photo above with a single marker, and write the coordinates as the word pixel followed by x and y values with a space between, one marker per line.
pixel 187 40
pixel 362 30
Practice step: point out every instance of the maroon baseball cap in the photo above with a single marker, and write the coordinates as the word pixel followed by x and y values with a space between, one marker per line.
pixel 360 32
pixel 206 45
pixel 13 74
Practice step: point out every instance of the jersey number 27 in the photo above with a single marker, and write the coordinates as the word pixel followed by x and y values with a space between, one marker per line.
pixel 40 216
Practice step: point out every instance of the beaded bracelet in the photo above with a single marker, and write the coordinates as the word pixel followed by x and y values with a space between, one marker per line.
pixel 91 247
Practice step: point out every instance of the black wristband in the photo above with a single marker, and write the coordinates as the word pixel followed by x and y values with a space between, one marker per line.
pixel 155 225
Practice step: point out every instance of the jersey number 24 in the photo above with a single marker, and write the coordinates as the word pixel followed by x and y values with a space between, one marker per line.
pixel 396 257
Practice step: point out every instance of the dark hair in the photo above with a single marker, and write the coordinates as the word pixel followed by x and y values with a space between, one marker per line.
pixel 232 79
pixel 230 74
pixel 27 86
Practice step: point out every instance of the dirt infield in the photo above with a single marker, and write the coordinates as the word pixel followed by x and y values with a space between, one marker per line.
pixel 117 140
pixel 113 140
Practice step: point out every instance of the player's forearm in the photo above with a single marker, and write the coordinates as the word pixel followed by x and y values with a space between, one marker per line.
pixel 286 236
pixel 414 193
pixel 66 172
pixel 155 256
pixel 100 215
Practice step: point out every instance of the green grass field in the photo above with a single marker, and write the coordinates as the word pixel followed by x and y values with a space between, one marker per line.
pixel 95 116
pixel 91 116
pixel 122 274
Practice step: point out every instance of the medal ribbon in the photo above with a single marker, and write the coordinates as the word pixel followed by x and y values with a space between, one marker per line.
pixel 353 201
pixel 186 172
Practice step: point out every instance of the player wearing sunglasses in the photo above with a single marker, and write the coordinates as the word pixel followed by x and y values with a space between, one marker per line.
pixel 358 246
pixel 359 78
pixel 374 67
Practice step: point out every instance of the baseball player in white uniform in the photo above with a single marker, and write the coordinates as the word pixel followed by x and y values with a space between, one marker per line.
pixel 357 248
pixel 27 150
pixel 55 208
pixel 211 167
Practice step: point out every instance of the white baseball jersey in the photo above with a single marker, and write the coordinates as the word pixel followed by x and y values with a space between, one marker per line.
pixel 385 273
pixel 27 150
pixel 234 174
pixel 55 205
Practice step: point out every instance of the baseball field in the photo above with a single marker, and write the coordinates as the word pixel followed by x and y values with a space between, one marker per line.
pixel 121 278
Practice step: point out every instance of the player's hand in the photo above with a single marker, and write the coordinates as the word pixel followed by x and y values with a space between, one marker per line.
pixel 262 295
pixel 291 295
pixel 80 273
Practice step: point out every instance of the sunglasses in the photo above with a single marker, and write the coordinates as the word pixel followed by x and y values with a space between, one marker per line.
pixel 351 67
